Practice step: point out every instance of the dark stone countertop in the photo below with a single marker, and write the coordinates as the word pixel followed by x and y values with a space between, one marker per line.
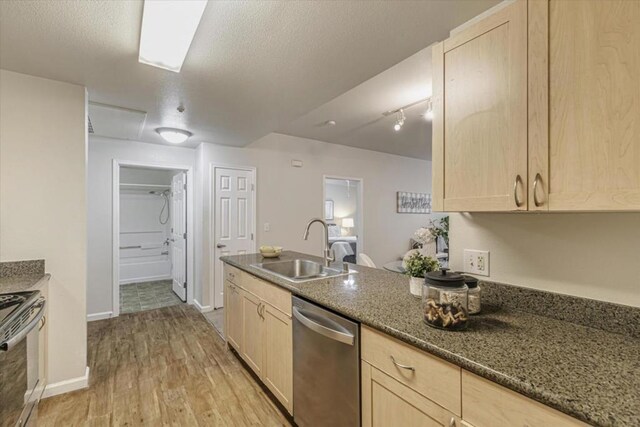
pixel 590 374
pixel 29 282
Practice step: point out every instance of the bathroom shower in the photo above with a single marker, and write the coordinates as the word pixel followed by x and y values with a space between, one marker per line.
pixel 165 206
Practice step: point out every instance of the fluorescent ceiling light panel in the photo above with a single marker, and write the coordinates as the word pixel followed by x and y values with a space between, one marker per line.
pixel 168 27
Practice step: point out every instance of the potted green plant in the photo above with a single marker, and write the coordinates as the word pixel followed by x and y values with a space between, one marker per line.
pixel 416 265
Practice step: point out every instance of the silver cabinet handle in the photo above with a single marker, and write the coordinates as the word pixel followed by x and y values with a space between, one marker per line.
pixel 333 334
pixel 220 246
pixel 262 310
pixel 258 309
pixel 515 191
pixel 452 422
pixel 43 322
pixel 537 202
pixel 401 366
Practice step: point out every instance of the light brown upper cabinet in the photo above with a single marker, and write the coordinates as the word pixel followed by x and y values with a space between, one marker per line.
pixel 580 64
pixel 480 115
pixel 593 146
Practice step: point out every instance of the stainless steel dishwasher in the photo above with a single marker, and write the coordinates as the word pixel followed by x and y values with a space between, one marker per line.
pixel 326 367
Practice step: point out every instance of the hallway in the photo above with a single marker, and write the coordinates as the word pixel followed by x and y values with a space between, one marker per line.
pixel 161 367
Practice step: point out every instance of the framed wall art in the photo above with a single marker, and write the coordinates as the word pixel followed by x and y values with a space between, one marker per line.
pixel 418 203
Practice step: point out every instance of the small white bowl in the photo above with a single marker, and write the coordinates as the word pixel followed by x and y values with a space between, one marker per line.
pixel 270 251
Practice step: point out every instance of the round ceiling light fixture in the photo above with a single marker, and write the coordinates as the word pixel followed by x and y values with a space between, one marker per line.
pixel 173 135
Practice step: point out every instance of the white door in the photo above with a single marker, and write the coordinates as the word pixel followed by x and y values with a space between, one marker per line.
pixel 179 235
pixel 233 220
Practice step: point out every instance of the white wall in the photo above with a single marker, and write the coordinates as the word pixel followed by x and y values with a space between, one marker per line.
pixel 592 255
pixel 101 153
pixel 288 197
pixel 43 211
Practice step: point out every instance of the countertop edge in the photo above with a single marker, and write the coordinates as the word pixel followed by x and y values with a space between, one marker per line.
pixel 24 283
pixel 508 382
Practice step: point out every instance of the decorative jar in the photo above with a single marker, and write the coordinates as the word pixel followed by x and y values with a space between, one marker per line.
pixel 445 300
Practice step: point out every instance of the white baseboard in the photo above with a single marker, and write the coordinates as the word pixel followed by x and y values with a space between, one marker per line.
pixel 99 316
pixel 202 308
pixel 143 279
pixel 67 385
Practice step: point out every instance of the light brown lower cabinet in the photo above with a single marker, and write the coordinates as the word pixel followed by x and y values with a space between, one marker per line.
pixel 233 324
pixel 253 332
pixel 261 332
pixel 278 355
pixel 387 402
pixel 404 386
pixel 487 404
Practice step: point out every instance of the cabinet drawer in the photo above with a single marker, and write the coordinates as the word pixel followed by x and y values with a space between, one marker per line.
pixel 487 404
pixel 271 294
pixel 432 377
pixel 387 402
pixel 232 274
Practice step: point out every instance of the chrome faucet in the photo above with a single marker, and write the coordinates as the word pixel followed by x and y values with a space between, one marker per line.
pixel 329 257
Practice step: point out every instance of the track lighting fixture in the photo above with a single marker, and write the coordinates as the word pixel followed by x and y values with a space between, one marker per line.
pixel 399 120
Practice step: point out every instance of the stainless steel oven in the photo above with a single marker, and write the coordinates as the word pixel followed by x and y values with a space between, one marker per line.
pixel 21 316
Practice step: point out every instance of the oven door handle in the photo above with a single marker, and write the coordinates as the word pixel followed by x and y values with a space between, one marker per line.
pixel 22 333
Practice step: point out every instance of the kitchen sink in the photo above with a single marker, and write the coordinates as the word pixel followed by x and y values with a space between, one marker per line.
pixel 300 270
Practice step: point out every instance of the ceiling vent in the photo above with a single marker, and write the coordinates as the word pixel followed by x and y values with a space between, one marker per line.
pixel 116 122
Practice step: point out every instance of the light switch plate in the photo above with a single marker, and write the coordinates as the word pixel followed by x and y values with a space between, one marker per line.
pixel 267 226
pixel 476 262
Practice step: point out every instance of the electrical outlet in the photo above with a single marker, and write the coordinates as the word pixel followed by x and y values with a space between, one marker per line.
pixel 267 226
pixel 476 262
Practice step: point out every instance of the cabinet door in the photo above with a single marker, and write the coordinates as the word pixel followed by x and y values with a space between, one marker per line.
pixel 594 105
pixel 233 315
pixel 386 402
pixel 252 331
pixel 486 404
pixel 480 115
pixel 278 355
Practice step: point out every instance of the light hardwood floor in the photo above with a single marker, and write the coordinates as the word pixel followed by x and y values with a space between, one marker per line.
pixel 161 367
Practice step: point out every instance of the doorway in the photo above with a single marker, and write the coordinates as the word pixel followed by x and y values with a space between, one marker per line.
pixel 151 228
pixel 342 210
pixel 233 219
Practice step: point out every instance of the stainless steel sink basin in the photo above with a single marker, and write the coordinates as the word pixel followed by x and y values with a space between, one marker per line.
pixel 300 270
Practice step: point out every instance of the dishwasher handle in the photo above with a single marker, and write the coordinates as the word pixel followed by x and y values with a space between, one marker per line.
pixel 333 334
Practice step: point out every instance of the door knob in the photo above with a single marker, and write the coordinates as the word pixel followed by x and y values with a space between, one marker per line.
pixel 220 246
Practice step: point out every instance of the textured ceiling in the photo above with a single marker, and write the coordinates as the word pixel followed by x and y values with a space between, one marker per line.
pixel 253 67
pixel 359 117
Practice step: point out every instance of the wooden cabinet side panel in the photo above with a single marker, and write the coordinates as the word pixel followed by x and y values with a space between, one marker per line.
pixel 486 404
pixel 437 140
pixel 594 98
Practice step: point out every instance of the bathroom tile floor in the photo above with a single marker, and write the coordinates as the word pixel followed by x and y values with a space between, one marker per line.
pixel 136 297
